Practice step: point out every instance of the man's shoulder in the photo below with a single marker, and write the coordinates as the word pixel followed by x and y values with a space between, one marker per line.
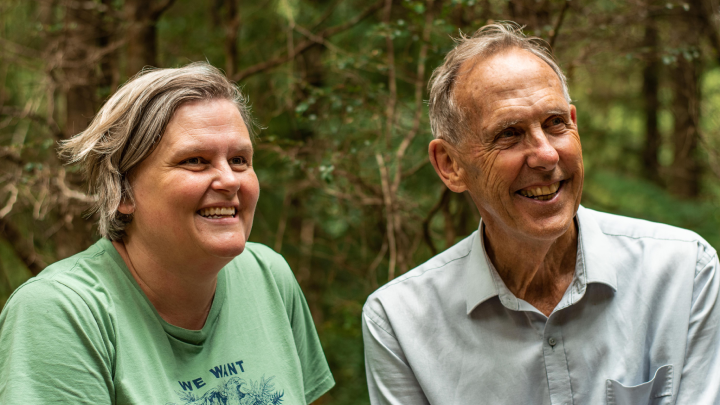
pixel 618 225
pixel 624 230
pixel 431 279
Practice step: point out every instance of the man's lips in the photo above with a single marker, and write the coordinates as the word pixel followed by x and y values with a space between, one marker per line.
pixel 542 193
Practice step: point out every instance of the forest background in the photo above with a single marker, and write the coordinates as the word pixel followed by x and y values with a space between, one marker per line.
pixel 348 196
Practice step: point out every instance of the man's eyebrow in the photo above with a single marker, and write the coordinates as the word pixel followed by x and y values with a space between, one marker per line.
pixel 510 122
pixel 561 111
pixel 503 124
pixel 507 123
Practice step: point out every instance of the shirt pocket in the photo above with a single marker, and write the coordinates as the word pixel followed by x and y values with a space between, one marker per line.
pixel 654 392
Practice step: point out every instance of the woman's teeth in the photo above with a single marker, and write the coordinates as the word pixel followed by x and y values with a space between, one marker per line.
pixel 543 193
pixel 223 212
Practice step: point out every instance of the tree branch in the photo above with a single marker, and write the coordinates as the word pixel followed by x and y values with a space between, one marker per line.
pixel 160 8
pixel 558 23
pixel 392 83
pixel 389 213
pixel 444 199
pixel 419 85
pixel 47 122
pixel 305 45
pixel 24 251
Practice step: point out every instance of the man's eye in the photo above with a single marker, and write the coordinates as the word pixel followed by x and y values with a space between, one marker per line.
pixel 556 121
pixel 507 133
pixel 238 160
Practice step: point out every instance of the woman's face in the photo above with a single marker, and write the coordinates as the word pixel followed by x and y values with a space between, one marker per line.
pixel 195 195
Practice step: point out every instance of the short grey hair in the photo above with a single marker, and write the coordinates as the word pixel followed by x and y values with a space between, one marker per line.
pixel 446 117
pixel 129 126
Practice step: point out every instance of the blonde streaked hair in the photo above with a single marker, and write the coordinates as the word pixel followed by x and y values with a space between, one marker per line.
pixel 126 129
pixel 447 119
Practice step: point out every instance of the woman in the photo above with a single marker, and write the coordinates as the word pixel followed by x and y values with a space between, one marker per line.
pixel 172 305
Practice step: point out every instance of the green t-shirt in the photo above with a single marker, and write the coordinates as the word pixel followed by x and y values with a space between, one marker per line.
pixel 83 332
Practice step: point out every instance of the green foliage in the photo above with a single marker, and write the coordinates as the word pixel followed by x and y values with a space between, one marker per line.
pixel 330 133
pixel 612 191
pixel 12 272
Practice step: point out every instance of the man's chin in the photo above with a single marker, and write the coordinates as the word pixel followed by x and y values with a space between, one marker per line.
pixel 546 228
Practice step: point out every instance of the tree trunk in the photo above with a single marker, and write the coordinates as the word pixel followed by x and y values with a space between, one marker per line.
pixel 686 169
pixel 534 14
pixel 79 73
pixel 142 17
pixel 231 25
pixel 651 76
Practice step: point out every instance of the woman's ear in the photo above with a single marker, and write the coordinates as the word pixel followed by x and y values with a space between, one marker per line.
pixel 126 206
pixel 443 157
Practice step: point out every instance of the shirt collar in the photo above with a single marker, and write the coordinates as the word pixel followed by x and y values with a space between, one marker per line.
pixel 598 257
pixel 595 264
pixel 479 283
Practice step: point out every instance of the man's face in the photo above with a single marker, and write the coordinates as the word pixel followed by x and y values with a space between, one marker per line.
pixel 521 160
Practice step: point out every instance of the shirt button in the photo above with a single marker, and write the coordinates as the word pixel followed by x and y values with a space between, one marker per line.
pixel 552 341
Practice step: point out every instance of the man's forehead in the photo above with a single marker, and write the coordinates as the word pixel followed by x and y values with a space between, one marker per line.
pixel 509 74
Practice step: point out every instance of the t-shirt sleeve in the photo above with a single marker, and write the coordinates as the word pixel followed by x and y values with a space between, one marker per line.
pixel 52 349
pixel 316 373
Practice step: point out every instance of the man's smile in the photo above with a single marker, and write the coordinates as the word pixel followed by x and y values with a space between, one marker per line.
pixel 542 193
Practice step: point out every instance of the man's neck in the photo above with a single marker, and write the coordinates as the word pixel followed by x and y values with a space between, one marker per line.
pixel 538 272
pixel 181 296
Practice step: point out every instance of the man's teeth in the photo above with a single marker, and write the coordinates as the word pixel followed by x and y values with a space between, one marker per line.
pixel 217 212
pixel 541 193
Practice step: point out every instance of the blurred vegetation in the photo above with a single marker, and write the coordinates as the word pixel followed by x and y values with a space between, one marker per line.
pixel 348 196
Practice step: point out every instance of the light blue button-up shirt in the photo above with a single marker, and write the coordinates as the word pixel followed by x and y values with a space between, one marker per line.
pixel 639 324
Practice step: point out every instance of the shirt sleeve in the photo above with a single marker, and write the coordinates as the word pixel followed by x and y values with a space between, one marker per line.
pixel 701 370
pixel 317 377
pixel 390 379
pixel 51 349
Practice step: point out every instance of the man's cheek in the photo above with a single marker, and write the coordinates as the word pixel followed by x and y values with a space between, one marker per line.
pixel 491 173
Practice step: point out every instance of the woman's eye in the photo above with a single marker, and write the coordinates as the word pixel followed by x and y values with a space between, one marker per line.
pixel 192 161
pixel 238 160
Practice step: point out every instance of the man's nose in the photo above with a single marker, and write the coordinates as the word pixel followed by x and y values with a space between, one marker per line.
pixel 542 154
pixel 226 179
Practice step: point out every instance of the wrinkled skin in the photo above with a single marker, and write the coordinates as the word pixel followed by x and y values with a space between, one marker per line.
pixel 522 134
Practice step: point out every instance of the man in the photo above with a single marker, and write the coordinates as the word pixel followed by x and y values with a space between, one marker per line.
pixel 548 302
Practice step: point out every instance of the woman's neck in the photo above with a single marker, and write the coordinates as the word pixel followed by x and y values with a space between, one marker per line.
pixel 181 293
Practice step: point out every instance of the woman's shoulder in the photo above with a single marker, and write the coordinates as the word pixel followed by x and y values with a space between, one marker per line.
pixel 264 258
pixel 260 265
pixel 79 281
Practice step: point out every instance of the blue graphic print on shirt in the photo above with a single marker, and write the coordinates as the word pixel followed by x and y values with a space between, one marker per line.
pixel 233 391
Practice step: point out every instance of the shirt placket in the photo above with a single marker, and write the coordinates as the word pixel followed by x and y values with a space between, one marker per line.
pixel 556 364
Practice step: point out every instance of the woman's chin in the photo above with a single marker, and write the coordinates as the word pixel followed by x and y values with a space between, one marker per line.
pixel 226 250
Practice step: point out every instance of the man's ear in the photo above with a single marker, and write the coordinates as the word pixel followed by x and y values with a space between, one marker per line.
pixel 443 157
pixel 573 114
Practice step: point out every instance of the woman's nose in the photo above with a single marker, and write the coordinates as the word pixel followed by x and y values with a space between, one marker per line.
pixel 226 179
